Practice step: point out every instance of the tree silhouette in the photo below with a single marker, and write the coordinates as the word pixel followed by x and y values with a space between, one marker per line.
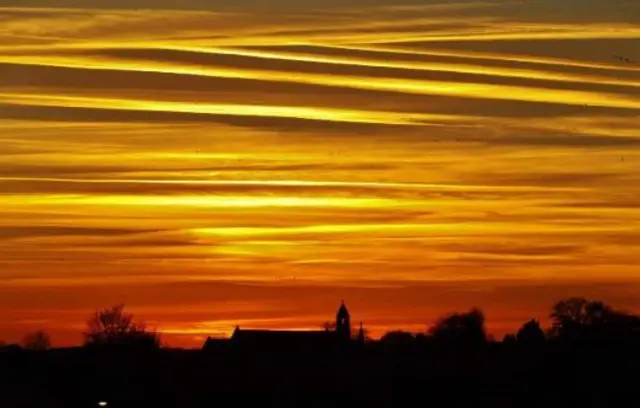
pixel 531 333
pixel 398 338
pixel 585 320
pixel 114 327
pixel 460 328
pixel 509 339
pixel 37 341
pixel 576 312
pixel 569 316
pixel 329 326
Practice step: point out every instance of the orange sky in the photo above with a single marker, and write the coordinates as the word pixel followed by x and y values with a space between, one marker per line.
pixel 220 163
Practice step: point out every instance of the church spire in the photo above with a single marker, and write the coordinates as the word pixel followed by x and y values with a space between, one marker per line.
pixel 360 338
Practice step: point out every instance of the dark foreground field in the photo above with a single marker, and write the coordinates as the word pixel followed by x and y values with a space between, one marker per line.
pixel 496 375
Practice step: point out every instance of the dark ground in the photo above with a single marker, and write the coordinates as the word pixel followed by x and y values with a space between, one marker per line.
pixel 494 375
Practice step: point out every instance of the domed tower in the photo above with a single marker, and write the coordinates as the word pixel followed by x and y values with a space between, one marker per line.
pixel 343 323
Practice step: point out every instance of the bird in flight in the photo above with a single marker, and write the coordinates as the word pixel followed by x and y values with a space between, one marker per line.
pixel 624 59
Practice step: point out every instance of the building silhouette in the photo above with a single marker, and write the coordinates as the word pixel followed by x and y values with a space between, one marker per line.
pixel 292 340
pixel 343 323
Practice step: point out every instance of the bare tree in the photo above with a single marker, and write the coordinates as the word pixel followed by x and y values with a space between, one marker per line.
pixel 114 327
pixel 37 341
pixel 329 326
pixel 569 314
pixel 582 319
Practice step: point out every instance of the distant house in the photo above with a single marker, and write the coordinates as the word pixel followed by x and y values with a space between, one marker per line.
pixel 291 340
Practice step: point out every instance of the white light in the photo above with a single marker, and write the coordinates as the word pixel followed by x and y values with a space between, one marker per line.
pixel 102 403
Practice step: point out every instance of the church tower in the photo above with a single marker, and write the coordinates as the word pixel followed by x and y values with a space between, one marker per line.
pixel 343 323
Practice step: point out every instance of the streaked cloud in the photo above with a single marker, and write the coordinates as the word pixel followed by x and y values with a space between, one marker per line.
pixel 211 164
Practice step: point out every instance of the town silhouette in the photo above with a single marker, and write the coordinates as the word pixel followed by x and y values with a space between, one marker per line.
pixel 589 357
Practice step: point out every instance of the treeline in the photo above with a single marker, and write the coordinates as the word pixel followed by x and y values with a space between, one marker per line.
pixel 107 328
pixel 573 320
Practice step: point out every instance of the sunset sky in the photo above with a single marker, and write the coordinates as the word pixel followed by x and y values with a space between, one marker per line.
pixel 213 163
